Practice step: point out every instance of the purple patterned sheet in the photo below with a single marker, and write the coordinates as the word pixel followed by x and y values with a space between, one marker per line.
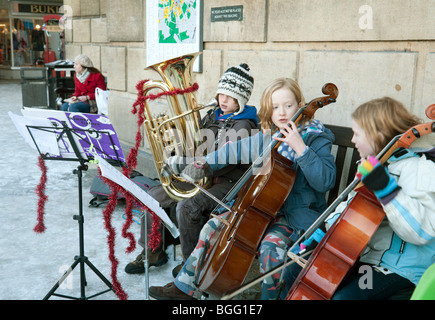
pixel 93 133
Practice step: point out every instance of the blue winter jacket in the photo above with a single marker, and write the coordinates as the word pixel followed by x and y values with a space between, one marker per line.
pixel 404 243
pixel 315 171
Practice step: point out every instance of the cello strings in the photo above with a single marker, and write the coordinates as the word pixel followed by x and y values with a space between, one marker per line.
pixel 262 277
pixel 256 163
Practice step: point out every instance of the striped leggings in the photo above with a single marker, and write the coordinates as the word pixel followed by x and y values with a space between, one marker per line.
pixel 273 249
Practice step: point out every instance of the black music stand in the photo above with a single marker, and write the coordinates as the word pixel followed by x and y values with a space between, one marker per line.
pixel 73 135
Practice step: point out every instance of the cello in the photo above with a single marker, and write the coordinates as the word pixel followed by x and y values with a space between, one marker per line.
pixel 233 246
pixel 342 245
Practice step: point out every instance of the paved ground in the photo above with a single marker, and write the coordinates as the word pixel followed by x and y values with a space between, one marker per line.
pixel 32 263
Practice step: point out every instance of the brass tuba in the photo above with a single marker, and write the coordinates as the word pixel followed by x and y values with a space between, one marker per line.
pixel 180 133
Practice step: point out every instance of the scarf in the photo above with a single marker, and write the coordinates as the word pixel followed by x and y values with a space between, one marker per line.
pixel 83 76
pixel 309 126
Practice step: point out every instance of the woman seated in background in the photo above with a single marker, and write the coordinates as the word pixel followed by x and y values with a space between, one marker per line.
pixel 87 79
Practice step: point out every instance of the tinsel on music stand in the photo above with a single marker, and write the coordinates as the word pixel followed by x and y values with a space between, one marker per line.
pixel 40 190
pixel 155 237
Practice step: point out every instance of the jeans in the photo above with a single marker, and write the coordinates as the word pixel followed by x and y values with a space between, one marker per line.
pixel 76 107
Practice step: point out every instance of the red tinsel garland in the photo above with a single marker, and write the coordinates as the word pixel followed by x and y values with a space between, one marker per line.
pixel 155 236
pixel 107 214
pixel 40 190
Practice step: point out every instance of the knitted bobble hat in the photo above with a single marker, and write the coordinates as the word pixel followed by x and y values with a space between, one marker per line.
pixel 237 83
pixel 84 61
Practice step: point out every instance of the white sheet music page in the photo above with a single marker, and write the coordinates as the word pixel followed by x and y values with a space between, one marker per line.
pixel 45 139
pixel 116 176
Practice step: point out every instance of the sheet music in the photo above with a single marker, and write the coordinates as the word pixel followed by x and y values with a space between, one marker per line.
pixel 93 133
pixel 46 139
pixel 113 174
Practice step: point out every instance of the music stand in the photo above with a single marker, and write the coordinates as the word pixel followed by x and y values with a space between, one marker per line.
pixel 77 139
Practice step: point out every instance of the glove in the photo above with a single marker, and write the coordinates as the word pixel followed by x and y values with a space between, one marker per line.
pixel 376 177
pixel 176 165
pixel 311 242
pixel 196 171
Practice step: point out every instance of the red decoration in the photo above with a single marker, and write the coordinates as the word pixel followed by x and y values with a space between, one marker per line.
pixel 155 237
pixel 40 190
pixel 107 214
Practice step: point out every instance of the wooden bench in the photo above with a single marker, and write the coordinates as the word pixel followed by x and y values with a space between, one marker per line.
pixel 346 157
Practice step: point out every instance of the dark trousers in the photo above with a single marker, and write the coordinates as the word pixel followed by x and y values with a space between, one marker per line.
pixel 363 283
pixel 191 213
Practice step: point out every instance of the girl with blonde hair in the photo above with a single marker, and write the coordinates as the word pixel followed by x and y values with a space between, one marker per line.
pixel 307 145
pixel 403 246
pixel 266 111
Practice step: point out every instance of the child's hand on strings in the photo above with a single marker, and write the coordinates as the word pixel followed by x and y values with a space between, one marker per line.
pixel 292 137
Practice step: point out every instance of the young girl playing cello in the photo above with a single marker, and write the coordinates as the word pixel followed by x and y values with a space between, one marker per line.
pixel 307 146
pixel 403 246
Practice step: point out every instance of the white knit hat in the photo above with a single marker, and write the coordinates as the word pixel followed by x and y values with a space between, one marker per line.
pixel 84 61
pixel 237 83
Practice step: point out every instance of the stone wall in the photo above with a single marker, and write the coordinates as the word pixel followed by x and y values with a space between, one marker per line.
pixel 367 48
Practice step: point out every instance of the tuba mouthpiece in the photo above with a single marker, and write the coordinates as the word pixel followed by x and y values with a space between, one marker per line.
pixel 212 103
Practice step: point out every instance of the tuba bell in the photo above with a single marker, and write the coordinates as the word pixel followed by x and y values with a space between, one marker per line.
pixel 179 133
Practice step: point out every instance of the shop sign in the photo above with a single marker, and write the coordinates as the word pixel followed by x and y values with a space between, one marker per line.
pixel 36 8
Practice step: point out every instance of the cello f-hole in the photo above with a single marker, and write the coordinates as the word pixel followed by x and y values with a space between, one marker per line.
pixel 233 226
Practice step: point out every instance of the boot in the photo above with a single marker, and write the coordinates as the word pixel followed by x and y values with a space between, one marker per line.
pixel 169 292
pixel 155 259
pixel 176 270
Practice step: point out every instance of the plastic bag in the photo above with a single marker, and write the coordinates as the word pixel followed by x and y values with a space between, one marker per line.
pixel 101 99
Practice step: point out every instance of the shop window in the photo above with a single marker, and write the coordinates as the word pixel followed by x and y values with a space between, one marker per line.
pixel 28 39
pixel 5 47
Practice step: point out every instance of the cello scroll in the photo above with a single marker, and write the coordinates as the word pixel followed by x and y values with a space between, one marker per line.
pixel 419 130
pixel 430 112
pixel 331 92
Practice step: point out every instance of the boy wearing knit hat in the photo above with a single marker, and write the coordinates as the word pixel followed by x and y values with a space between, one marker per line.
pixel 233 92
pixel 237 83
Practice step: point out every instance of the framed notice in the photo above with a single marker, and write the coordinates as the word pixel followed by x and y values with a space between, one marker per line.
pixel 174 28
